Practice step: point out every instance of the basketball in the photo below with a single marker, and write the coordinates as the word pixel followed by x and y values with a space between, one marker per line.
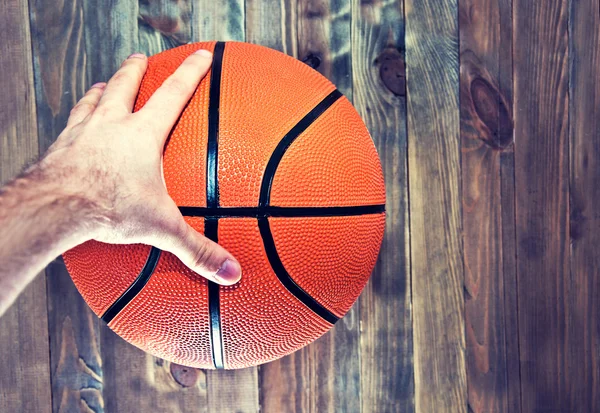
pixel 272 162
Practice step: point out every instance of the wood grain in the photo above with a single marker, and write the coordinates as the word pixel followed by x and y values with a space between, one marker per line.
pixel 542 202
pixel 486 133
pixel 25 379
pixel 59 65
pixel 583 332
pixel 507 195
pixel 378 72
pixel 435 208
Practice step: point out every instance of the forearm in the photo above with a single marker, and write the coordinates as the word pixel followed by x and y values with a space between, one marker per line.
pixel 102 180
pixel 42 215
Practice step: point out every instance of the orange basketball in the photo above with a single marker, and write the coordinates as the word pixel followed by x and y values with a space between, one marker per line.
pixel 272 162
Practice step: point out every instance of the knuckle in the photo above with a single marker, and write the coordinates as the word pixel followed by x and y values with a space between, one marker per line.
pixel 129 62
pixel 176 85
pixel 81 107
pixel 122 76
pixel 102 111
pixel 93 91
pixel 202 256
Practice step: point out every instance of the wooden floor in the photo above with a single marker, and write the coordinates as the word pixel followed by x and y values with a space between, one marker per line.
pixel 485 297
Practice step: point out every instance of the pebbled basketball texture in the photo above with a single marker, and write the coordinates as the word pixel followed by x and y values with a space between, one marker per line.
pixel 301 268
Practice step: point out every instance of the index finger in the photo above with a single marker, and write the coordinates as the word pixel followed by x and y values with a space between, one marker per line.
pixel 166 104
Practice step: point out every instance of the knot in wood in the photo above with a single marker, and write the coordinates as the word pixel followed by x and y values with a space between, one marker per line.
pixel 184 376
pixel 312 60
pixel 494 114
pixel 392 71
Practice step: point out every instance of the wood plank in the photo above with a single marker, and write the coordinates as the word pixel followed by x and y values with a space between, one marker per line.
pixel 435 217
pixel 542 202
pixel 25 379
pixel 227 390
pixel 486 135
pixel 59 65
pixel 329 367
pixel 583 336
pixel 378 72
pixel 507 195
pixel 18 127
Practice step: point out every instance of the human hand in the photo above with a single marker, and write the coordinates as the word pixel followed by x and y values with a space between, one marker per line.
pixel 112 158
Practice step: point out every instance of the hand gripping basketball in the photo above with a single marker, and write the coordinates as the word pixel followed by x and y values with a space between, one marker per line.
pixel 121 152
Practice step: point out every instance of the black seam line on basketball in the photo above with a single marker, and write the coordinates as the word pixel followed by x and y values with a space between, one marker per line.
pixel 211 224
pixel 211 231
pixel 135 287
pixel 275 211
pixel 212 186
pixel 288 139
pixel 285 278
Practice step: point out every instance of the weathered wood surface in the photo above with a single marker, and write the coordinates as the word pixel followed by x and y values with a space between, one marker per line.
pixel 435 207
pixel 583 328
pixel 545 290
pixel 25 378
pixel 484 298
pixel 487 138
pixel 378 71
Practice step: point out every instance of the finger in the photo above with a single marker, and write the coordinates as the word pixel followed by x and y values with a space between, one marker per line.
pixel 166 104
pixel 86 104
pixel 200 254
pixel 122 88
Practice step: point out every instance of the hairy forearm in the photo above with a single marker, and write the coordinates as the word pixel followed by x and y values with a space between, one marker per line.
pixel 42 215
pixel 102 180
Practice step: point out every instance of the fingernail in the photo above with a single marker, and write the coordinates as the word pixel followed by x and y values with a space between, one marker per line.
pixel 99 85
pixel 137 56
pixel 230 272
pixel 203 53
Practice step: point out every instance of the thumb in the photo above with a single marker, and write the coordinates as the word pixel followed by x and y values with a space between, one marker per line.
pixel 200 254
